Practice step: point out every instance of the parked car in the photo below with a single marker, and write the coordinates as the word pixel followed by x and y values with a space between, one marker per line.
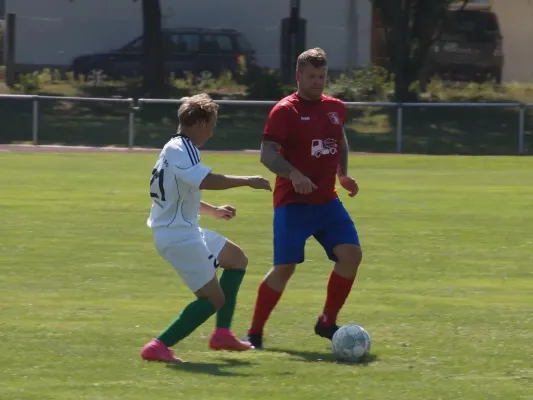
pixel 193 50
pixel 469 47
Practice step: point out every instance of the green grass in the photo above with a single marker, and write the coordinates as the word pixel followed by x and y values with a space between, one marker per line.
pixel 445 288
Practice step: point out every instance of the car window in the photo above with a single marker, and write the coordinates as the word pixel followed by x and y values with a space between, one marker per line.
pixel 471 22
pixel 134 46
pixel 217 43
pixel 186 43
pixel 243 43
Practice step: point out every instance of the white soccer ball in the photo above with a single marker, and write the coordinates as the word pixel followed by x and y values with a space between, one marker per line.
pixel 351 343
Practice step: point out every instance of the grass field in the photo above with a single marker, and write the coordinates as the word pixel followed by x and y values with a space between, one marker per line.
pixel 445 290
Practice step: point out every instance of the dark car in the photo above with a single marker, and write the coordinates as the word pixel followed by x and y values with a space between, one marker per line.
pixel 192 50
pixel 470 46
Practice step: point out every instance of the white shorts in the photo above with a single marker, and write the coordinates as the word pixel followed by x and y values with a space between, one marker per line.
pixel 194 259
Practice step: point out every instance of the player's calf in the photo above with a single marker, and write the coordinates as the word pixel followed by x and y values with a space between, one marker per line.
pixel 340 284
pixel 212 292
pixel 234 262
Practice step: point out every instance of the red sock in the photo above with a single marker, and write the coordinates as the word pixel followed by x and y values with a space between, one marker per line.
pixel 267 298
pixel 338 290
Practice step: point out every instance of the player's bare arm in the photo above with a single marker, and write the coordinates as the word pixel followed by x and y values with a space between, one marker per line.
pixel 343 154
pixel 346 182
pixel 226 212
pixel 276 163
pixel 207 209
pixel 223 182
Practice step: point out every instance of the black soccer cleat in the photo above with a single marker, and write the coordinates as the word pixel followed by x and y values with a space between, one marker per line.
pixel 326 331
pixel 255 339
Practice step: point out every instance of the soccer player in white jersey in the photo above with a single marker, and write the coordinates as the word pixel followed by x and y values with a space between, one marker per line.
pixel 178 178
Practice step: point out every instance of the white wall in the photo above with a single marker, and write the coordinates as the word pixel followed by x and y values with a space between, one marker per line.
pixel 56 31
pixel 517 30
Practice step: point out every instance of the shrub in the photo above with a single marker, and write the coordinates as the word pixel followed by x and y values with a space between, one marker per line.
pixel 369 84
pixel 265 84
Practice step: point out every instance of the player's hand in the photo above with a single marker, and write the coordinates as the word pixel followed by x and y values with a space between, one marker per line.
pixel 258 182
pixel 301 183
pixel 349 184
pixel 226 212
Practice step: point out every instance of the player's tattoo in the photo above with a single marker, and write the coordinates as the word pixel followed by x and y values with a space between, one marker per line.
pixel 344 151
pixel 274 161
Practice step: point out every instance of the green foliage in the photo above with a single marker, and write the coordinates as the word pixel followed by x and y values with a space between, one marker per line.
pixel 206 82
pixel 369 84
pixel 33 82
pixel 265 84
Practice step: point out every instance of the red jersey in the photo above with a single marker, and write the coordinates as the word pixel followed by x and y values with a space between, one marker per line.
pixel 310 134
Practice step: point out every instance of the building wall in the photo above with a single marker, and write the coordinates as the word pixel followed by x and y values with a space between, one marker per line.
pixel 517 30
pixel 56 31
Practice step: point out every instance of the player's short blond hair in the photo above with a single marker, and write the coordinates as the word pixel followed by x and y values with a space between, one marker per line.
pixel 197 108
pixel 315 57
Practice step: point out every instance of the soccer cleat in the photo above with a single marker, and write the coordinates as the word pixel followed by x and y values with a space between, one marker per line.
pixel 224 339
pixel 326 331
pixel 255 339
pixel 157 351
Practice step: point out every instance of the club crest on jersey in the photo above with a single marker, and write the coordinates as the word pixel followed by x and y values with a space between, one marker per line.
pixel 334 118
pixel 323 147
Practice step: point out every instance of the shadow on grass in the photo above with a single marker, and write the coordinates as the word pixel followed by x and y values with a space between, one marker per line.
pixel 315 356
pixel 215 369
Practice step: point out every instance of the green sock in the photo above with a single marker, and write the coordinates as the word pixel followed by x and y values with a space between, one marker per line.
pixel 230 282
pixel 192 316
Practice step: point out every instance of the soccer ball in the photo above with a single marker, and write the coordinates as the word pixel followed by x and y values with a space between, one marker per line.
pixel 351 343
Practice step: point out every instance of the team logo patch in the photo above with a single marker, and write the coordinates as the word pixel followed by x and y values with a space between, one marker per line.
pixel 334 118
pixel 321 148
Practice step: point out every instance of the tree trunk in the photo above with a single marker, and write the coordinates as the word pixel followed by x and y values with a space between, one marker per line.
pixel 402 49
pixel 410 29
pixel 153 64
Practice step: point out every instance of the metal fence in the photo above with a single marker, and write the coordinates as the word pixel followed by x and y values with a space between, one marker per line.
pixel 134 106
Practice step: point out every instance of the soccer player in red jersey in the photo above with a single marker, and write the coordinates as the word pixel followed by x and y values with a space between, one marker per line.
pixel 304 144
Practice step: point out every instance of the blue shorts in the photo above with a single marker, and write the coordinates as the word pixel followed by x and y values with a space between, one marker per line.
pixel 329 223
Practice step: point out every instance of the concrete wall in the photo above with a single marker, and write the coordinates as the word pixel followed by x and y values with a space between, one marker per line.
pixel 516 21
pixel 55 31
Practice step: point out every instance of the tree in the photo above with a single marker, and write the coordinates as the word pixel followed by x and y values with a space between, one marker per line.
pixel 410 28
pixel 153 56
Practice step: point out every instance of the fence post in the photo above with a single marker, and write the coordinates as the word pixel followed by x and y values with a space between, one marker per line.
pixel 521 128
pixel 10 48
pixel 399 127
pixel 35 120
pixel 131 124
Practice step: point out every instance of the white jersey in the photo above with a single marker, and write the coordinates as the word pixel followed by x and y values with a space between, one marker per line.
pixel 175 186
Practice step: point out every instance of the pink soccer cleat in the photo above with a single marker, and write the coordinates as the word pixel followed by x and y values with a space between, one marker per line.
pixel 157 351
pixel 224 339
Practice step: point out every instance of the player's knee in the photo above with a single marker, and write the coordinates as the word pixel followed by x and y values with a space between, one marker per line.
pixel 242 261
pixel 349 256
pixel 284 272
pixel 232 257
pixel 239 260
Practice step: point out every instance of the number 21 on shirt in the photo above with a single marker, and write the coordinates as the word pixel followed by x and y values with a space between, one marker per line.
pixel 157 189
